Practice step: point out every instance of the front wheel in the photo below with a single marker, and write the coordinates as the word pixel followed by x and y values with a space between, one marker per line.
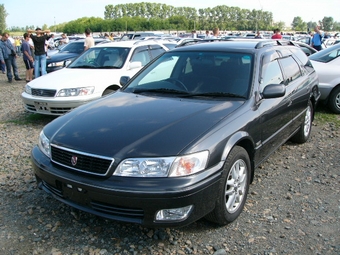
pixel 306 126
pixel 233 188
pixel 334 101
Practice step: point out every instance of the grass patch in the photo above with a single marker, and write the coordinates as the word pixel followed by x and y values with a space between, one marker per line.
pixel 324 116
pixel 32 118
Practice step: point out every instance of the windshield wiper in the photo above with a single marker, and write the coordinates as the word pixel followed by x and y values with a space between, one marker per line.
pixel 213 94
pixel 159 90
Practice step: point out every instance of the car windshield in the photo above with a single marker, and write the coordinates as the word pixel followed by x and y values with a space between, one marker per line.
pixel 196 74
pixel 327 55
pixel 101 58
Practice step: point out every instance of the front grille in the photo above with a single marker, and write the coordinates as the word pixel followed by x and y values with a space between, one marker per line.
pixel 80 161
pixel 44 92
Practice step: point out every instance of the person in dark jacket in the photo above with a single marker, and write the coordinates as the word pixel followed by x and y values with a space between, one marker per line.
pixel 8 56
pixel 39 41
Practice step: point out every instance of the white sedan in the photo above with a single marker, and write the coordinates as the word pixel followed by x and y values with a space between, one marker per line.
pixel 327 65
pixel 93 74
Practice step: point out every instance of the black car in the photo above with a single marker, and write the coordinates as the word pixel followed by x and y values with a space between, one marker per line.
pixel 182 139
pixel 67 53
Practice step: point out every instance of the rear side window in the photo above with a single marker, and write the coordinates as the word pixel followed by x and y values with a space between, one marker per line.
pixel 290 68
pixel 156 50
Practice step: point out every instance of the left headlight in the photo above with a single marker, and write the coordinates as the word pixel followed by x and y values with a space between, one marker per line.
pixel 44 144
pixel 28 90
pixel 163 167
pixel 73 92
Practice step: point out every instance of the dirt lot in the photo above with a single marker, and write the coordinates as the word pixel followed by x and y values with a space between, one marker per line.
pixel 293 206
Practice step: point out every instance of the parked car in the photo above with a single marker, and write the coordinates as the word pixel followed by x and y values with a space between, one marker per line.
pixel 307 49
pixel 182 139
pixel 67 53
pixel 327 65
pixel 93 74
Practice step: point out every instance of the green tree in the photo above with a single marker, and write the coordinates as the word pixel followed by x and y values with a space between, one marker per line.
pixel 298 24
pixel 327 23
pixel 3 15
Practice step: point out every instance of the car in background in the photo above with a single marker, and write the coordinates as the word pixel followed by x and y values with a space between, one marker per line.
pixel 67 53
pixel 327 65
pixel 307 49
pixel 182 139
pixel 95 73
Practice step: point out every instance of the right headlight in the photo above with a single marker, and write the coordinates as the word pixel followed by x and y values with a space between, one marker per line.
pixel 73 92
pixel 28 89
pixel 44 144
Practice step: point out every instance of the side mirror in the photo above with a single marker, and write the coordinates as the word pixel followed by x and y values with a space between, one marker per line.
pixel 274 91
pixel 135 64
pixel 123 80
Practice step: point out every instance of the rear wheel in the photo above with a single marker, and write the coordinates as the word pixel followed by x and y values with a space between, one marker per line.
pixel 306 126
pixel 334 100
pixel 233 188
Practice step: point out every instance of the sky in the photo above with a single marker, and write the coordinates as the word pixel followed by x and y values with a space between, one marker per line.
pixel 39 12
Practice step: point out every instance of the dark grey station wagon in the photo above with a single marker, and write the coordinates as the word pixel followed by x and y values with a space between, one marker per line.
pixel 181 140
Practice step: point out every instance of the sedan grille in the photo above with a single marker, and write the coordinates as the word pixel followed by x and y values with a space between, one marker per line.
pixel 44 92
pixel 80 161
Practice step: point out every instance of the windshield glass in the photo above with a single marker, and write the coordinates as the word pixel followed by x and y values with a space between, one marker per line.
pixel 186 74
pixel 327 54
pixel 103 57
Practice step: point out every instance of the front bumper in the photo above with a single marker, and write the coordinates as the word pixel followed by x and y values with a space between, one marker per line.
pixel 129 199
pixel 54 105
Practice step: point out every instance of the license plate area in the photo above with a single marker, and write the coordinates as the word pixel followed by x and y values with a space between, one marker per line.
pixel 41 107
pixel 75 194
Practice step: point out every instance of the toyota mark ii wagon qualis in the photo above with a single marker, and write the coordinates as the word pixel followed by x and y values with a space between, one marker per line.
pixel 181 139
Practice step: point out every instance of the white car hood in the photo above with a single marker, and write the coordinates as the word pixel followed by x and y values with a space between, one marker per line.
pixel 73 78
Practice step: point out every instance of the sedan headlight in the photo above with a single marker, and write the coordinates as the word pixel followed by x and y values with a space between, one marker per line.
pixel 55 64
pixel 73 92
pixel 28 89
pixel 163 167
pixel 44 144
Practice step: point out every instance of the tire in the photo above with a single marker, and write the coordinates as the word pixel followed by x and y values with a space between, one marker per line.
pixel 306 126
pixel 334 100
pixel 233 189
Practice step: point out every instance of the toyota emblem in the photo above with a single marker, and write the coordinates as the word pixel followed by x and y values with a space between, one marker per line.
pixel 74 160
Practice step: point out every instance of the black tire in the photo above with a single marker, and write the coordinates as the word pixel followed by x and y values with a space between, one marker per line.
pixel 233 188
pixel 306 126
pixel 334 100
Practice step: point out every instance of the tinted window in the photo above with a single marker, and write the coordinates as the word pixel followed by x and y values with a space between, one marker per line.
pixel 271 74
pixel 327 55
pixel 156 50
pixel 290 68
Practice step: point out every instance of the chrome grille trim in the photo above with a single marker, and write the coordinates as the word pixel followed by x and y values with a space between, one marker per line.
pixel 97 160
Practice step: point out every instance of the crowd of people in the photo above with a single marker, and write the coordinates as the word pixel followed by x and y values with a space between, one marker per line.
pixel 32 47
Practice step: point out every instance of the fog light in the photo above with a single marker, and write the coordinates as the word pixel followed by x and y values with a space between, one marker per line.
pixel 174 214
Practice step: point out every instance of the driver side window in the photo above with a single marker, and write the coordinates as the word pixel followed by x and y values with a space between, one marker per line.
pixel 271 74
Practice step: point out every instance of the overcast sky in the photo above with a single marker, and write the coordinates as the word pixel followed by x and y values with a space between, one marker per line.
pixel 40 12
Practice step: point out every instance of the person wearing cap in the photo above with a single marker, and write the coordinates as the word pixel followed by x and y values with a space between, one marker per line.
pixel 39 40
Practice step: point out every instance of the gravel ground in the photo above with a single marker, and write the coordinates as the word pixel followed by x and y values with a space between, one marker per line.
pixel 293 206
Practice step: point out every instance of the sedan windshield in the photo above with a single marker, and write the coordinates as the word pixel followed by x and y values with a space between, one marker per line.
pixel 327 54
pixel 102 58
pixel 196 74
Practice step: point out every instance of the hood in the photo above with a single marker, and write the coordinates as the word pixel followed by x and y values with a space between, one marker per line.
pixel 126 125
pixel 61 56
pixel 73 77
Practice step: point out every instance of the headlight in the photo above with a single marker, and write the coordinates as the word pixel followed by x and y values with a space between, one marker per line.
pixel 54 64
pixel 28 90
pixel 163 167
pixel 73 92
pixel 44 144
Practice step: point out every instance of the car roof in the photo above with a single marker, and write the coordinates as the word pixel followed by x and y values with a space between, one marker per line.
pixel 129 44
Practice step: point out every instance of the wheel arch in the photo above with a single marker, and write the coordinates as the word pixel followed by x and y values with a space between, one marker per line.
pixel 244 140
pixel 114 87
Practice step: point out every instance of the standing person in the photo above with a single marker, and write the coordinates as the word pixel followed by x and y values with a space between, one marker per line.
pixel 39 50
pixel 27 57
pixel 216 33
pixel 258 35
pixel 207 34
pixel 89 42
pixel 64 39
pixel 277 34
pixel 50 42
pixel 18 45
pixel 317 39
pixel 8 56
pixel 2 65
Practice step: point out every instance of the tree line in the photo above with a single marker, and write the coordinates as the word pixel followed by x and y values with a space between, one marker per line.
pixel 155 16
